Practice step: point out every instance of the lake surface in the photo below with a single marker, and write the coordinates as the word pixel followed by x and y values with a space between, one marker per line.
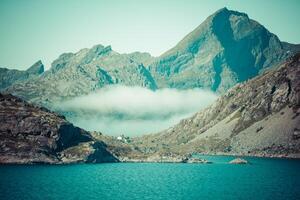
pixel 262 179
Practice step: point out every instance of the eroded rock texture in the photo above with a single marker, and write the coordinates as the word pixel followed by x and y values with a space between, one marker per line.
pixel 30 134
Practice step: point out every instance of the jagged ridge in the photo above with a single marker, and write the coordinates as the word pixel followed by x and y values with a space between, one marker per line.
pixel 11 76
pixel 84 72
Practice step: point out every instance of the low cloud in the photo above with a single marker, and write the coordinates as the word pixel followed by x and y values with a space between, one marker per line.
pixel 116 110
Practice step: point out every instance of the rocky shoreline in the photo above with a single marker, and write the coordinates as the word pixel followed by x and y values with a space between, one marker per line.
pixel 166 159
pixel 35 135
pixel 256 155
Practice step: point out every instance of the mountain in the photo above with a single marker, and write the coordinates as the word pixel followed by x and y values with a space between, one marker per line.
pixel 30 134
pixel 75 74
pixel 11 76
pixel 259 117
pixel 227 48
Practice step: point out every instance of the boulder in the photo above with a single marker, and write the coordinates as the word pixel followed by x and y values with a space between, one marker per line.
pixel 196 160
pixel 238 161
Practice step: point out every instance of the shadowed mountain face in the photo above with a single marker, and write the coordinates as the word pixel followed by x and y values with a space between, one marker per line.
pixel 30 134
pixel 227 48
pixel 260 117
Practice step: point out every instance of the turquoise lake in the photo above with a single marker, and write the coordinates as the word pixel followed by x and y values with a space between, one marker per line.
pixel 262 179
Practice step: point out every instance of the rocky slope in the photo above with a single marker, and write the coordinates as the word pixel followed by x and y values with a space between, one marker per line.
pixel 227 48
pixel 259 117
pixel 11 76
pixel 75 74
pixel 30 134
pixel 126 152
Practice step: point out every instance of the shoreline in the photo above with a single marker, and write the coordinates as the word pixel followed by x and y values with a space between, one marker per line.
pixel 128 160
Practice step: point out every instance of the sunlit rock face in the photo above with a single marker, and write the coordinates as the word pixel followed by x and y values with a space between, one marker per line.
pixel 225 49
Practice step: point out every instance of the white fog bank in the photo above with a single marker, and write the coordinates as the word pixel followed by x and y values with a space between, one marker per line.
pixel 133 111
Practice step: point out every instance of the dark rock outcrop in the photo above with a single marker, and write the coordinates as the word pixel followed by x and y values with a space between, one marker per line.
pixel 30 134
pixel 238 161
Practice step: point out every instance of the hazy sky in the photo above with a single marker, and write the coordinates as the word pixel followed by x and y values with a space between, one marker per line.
pixel 37 29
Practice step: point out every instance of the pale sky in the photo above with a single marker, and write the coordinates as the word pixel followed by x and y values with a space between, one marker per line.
pixel 39 29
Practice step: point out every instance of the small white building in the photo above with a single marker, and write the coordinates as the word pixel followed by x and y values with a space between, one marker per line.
pixel 119 138
pixel 123 138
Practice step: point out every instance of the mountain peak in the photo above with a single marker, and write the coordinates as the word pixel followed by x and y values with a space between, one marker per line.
pixel 100 49
pixel 221 18
pixel 37 68
pixel 228 12
pixel 228 44
pixel 221 10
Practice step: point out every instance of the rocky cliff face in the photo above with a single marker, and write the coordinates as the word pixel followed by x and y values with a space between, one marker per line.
pixel 259 117
pixel 30 134
pixel 227 48
pixel 11 76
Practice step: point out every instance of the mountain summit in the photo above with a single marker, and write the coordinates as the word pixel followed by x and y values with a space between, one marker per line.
pixel 225 49
pixel 11 76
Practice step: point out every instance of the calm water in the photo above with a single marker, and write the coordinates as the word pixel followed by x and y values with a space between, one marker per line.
pixel 263 179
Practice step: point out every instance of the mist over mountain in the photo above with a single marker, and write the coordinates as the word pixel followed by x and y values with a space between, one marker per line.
pixel 135 110
pixel 226 49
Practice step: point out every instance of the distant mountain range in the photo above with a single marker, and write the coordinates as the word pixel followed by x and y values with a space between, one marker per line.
pixel 84 72
pixel 227 48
